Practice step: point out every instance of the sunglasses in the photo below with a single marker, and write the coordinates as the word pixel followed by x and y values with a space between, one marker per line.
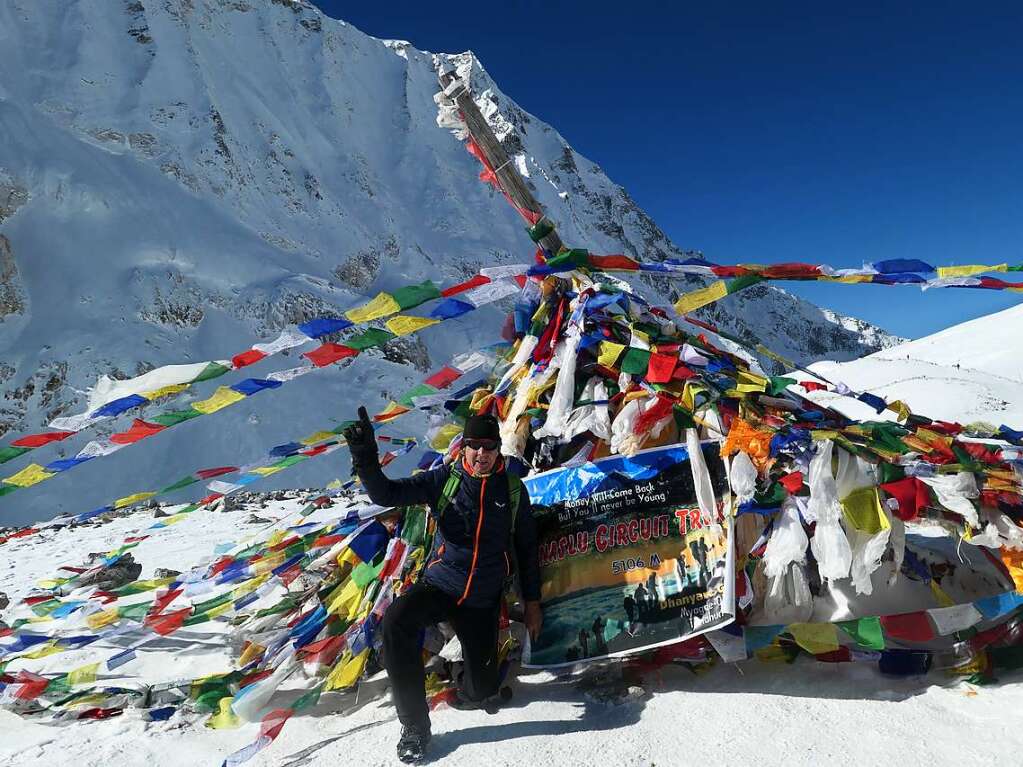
pixel 481 444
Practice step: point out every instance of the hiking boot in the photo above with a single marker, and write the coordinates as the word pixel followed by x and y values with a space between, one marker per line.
pixel 490 704
pixel 412 743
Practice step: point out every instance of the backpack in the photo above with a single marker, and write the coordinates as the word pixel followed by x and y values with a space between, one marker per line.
pixel 455 479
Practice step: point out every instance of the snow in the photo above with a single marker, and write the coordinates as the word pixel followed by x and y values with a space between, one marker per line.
pixel 769 714
pixel 969 372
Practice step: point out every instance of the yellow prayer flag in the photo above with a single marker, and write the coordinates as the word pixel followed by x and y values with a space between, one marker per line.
pixel 692 301
pixel 164 391
pixel 444 435
pixel 219 610
pixel 250 585
pixel 750 382
pixel 901 409
pixel 50 648
pixel 940 595
pixel 862 509
pixel 225 719
pixel 265 471
pixel 609 352
pixel 848 279
pixel 404 324
pixel 83 674
pixel 30 475
pixel 102 618
pixel 347 671
pixel 221 398
pixel 250 653
pixel 268 563
pixel 347 601
pixel 815 638
pixel 380 306
pixel 320 436
pixel 968 270
pixel 128 500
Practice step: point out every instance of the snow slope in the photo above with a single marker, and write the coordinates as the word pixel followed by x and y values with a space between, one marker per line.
pixel 969 372
pixel 772 715
pixel 182 178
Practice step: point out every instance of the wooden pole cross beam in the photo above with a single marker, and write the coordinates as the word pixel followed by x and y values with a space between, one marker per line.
pixel 506 172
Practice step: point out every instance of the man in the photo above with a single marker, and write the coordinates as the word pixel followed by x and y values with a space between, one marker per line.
pixel 481 513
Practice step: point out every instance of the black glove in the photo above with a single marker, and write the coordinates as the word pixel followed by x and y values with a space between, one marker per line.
pixel 362 442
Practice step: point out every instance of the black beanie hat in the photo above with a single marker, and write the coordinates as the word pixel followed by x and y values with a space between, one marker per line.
pixel 482 427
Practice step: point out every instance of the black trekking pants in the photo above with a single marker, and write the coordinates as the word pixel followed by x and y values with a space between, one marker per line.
pixel 421 606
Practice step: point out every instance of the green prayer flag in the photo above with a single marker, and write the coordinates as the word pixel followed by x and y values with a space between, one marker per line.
pixel 635 361
pixel 174 417
pixel 308 699
pixel 364 573
pixel 7 489
pixel 134 612
pixel 414 295
pixel 341 427
pixel 891 472
pixel 866 632
pixel 779 384
pixel 740 283
pixel 184 482
pixel 577 257
pixel 290 460
pixel 7 453
pixel 212 370
pixel 421 390
pixel 369 338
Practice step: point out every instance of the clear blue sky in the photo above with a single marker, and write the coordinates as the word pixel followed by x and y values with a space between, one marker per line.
pixel 781 131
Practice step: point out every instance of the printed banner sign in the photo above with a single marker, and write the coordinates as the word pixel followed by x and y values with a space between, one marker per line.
pixel 626 562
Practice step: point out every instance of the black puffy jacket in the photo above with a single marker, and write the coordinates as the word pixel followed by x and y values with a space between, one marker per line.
pixel 471 556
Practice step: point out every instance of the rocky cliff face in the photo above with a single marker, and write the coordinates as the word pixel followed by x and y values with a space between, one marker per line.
pixel 182 178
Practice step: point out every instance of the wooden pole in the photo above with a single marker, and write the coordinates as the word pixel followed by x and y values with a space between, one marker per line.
pixel 507 175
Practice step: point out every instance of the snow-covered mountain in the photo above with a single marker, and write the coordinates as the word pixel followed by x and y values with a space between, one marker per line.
pixel 181 178
pixel 966 373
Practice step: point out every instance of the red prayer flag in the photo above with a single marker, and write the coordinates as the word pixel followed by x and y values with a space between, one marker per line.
pixel 683 373
pixel 100 713
pixel 32 685
pixel 38 440
pixel 660 367
pixel 443 377
pixel 169 622
pixel 216 472
pixel 247 358
pixel 792 271
pixel 729 271
pixel 139 430
pixel 841 655
pixel 162 600
pixel 909 627
pixel 327 354
pixel 324 651
pixel 912 495
pixel 461 287
pixel 813 385
pixel 613 262
pixel 792 482
pixel 272 723
pixel 660 409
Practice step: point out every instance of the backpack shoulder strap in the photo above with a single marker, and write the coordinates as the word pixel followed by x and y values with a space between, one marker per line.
pixel 450 488
pixel 514 497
